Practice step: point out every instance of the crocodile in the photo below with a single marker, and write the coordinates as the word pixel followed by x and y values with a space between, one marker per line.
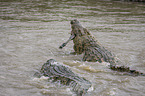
pixel 60 73
pixel 93 51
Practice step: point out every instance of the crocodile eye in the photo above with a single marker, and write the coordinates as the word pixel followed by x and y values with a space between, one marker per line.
pixel 75 20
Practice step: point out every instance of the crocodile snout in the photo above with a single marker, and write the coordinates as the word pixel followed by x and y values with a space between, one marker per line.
pixel 75 21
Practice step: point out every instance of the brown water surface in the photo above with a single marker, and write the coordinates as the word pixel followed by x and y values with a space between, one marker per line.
pixel 32 30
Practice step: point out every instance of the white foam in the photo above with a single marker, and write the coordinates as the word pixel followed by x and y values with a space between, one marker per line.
pixel 41 78
pixel 91 89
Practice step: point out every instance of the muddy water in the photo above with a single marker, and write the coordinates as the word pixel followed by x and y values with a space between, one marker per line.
pixel 32 31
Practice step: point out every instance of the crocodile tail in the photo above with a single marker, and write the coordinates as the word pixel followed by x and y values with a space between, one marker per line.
pixel 127 70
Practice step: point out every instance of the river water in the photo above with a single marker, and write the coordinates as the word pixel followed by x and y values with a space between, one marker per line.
pixel 31 32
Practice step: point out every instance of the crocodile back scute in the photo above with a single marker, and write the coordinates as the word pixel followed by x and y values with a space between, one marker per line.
pixel 59 72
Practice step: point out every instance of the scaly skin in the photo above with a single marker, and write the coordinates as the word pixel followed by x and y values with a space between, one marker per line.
pixel 58 72
pixel 93 51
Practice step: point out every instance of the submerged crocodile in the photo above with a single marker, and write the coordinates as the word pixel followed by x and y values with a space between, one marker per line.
pixel 57 72
pixel 93 51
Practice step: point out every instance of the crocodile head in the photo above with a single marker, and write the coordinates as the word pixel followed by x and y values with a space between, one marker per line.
pixel 77 29
pixel 44 68
pixel 49 62
pixel 75 21
pixel 47 66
